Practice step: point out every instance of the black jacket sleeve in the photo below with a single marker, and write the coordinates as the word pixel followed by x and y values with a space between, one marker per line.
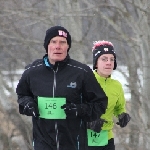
pixel 23 92
pixel 23 88
pixel 94 98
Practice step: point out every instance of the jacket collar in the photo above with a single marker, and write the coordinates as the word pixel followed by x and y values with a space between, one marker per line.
pixel 100 78
pixel 61 63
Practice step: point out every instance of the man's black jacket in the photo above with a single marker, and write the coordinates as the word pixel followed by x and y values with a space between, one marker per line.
pixel 74 81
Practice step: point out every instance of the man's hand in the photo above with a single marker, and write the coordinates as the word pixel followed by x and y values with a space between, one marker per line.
pixel 124 118
pixel 31 109
pixel 72 110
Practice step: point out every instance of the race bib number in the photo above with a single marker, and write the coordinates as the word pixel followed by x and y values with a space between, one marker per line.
pixel 97 139
pixel 50 108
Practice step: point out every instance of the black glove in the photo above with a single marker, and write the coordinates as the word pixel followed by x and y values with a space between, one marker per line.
pixel 72 110
pixel 31 109
pixel 96 125
pixel 124 118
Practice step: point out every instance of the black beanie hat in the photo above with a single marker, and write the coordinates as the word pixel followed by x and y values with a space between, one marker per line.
pixel 100 48
pixel 56 31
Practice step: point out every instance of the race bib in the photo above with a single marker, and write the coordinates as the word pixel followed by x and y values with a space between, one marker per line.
pixel 97 139
pixel 50 108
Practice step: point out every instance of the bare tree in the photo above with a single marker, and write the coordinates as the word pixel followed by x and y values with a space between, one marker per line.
pixel 130 20
pixel 126 23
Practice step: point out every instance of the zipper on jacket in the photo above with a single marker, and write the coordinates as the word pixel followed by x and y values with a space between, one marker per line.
pixel 78 136
pixel 105 82
pixel 54 83
pixel 56 126
pixel 78 146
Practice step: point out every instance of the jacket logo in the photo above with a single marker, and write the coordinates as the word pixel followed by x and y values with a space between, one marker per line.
pixel 72 85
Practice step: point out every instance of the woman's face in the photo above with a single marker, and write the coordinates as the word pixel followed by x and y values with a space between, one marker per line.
pixel 105 65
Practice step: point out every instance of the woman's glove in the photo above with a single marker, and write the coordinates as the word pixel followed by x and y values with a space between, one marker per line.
pixel 124 118
pixel 96 125
pixel 31 109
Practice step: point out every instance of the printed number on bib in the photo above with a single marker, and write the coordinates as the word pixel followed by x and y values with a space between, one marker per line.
pixel 97 139
pixel 50 108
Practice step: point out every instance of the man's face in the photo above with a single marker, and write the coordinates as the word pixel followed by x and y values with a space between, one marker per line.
pixel 57 49
pixel 105 65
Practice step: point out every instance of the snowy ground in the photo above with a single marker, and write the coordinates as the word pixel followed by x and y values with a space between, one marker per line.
pixel 115 75
pixel 120 77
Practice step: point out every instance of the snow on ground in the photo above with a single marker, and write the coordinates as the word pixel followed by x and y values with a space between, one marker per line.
pixel 120 77
pixel 115 75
